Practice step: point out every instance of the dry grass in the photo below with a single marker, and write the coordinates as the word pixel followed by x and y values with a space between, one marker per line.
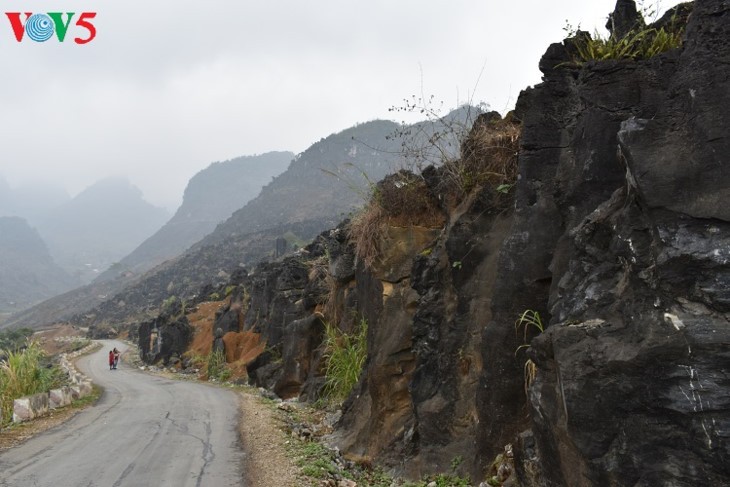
pixel 488 157
pixel 334 302
pixel 402 200
pixel 367 231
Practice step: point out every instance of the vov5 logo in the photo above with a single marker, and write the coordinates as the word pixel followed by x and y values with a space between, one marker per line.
pixel 41 27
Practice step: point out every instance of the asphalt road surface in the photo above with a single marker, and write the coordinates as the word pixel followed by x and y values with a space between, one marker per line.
pixel 145 431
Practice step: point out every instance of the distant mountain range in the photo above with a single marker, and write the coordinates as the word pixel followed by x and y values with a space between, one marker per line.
pixel 321 186
pixel 28 274
pixel 211 196
pixel 99 226
pixel 326 181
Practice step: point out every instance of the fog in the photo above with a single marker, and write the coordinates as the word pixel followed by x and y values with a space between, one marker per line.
pixel 167 87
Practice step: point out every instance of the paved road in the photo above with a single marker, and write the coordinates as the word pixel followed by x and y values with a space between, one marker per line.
pixel 145 431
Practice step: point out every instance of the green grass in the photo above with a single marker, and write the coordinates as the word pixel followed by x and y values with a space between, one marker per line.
pixel 217 368
pixel 640 44
pixel 345 356
pixel 24 373
pixel 314 459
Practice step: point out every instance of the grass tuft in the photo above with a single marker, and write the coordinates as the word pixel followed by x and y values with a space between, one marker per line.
pixel 345 356
pixel 23 373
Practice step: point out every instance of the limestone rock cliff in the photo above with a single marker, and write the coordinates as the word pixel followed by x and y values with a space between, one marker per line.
pixel 624 185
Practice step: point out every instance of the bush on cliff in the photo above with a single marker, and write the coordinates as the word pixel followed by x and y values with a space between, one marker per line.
pixel 630 37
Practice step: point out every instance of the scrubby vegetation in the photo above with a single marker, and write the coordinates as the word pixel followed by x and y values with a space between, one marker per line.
pixel 217 368
pixel 488 159
pixel 638 44
pixel 345 356
pixel 25 372
pixel 13 340
pixel 638 41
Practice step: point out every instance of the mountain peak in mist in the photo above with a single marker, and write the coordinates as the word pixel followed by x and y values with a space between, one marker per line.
pixel 99 226
pixel 210 197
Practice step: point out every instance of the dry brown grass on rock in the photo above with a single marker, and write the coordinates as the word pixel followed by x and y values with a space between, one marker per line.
pixel 367 230
pixel 488 157
pixel 401 200
pixel 407 201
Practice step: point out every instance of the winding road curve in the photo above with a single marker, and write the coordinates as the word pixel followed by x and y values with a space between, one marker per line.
pixel 145 431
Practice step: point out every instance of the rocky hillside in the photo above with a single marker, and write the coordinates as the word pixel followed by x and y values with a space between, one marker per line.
pixel 613 240
pixel 210 197
pixel 99 226
pixel 326 181
pixel 322 184
pixel 29 274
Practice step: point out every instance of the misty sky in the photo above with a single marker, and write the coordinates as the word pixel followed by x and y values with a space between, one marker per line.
pixel 169 86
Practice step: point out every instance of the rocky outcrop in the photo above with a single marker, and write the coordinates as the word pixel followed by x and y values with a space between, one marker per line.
pixel 165 337
pixel 620 240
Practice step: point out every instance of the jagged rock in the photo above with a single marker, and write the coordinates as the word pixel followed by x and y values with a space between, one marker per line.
pixel 624 19
pixel 620 241
pixel 341 254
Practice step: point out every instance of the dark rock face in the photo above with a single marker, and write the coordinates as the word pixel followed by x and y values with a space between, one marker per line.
pixel 282 303
pixel 166 336
pixel 621 240
pixel 276 291
pixel 301 340
pixel 427 301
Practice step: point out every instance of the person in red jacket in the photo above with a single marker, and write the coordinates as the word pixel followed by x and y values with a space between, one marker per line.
pixel 111 359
